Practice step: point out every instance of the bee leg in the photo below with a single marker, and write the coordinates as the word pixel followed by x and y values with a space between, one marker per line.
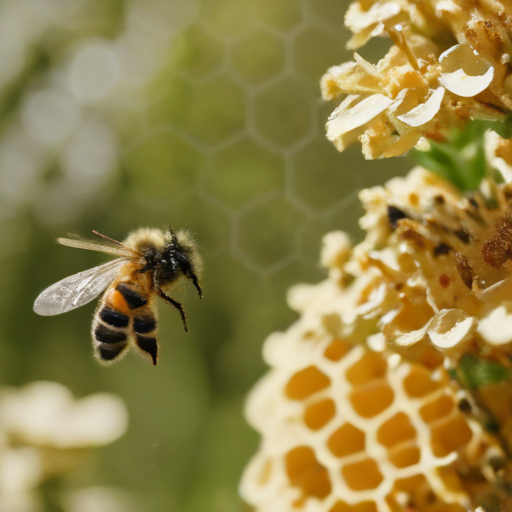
pixel 195 281
pixel 176 304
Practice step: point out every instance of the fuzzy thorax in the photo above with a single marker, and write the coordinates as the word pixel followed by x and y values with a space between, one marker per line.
pixel 158 240
pixel 147 237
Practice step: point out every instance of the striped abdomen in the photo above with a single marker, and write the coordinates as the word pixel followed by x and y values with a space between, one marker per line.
pixel 126 315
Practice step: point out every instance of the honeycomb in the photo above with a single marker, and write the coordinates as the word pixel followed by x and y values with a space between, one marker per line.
pixel 348 429
pixel 364 408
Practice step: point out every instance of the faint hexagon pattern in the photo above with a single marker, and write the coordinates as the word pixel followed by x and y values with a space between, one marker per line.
pixel 258 57
pixel 282 14
pixel 282 113
pixel 315 50
pixel 229 17
pixel 166 159
pixel 209 112
pixel 198 53
pixel 331 12
pixel 320 179
pixel 266 233
pixel 309 239
pixel 244 171
pixel 208 222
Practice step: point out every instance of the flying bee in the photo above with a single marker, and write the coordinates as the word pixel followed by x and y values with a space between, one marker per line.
pixel 151 262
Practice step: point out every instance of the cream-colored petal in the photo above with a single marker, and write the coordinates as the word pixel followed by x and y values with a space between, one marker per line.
pixel 451 328
pixel 368 67
pixel 463 72
pixel 336 249
pixel 496 327
pixel 425 112
pixel 410 338
pixel 357 19
pixel 350 78
pixel 345 120
pixel 403 144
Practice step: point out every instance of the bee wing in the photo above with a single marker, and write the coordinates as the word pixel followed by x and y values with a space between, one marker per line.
pixel 76 290
pixel 92 246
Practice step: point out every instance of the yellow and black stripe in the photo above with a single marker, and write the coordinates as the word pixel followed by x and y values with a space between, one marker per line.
pixel 124 313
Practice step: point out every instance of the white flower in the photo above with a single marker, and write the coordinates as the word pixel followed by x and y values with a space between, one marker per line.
pixel 45 414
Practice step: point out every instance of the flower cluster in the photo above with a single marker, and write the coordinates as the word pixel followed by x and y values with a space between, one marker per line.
pixel 43 434
pixel 363 406
pixel 450 63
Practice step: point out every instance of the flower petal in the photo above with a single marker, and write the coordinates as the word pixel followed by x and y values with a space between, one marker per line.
pixel 356 19
pixel 463 72
pixel 496 327
pixel 343 120
pixel 425 112
pixel 451 328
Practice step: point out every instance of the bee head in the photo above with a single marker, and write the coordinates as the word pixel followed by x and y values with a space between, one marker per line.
pixel 182 251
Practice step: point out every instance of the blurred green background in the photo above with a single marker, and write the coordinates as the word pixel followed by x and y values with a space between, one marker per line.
pixel 117 114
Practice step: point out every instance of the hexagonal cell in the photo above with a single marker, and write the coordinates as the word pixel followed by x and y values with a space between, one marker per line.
pixel 419 383
pixel 405 457
pixel 372 399
pixel 317 415
pixel 322 179
pixel 346 440
pixel 229 17
pixel 209 112
pixel 207 222
pixel 284 14
pixel 306 382
pixel 330 11
pixel 310 238
pixel 437 409
pixel 396 430
pixel 258 57
pixel 449 436
pixel 198 53
pixel 315 50
pixel 267 232
pixel 283 113
pixel 338 349
pixel 163 166
pixel 370 367
pixel 362 475
pixel 243 171
pixel 295 270
pixel 306 473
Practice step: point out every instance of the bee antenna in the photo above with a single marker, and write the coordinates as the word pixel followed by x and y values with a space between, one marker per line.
pixel 174 238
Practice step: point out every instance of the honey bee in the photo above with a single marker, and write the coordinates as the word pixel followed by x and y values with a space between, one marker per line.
pixel 151 262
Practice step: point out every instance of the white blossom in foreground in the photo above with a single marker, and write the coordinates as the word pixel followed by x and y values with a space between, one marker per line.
pixel 21 471
pixel 46 414
pixel 96 499
pixel 44 433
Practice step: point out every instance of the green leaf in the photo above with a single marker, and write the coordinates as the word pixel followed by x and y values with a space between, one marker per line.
pixel 461 159
pixel 475 373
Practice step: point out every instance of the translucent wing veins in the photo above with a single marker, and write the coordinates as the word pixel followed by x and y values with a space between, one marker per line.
pixel 92 246
pixel 76 290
